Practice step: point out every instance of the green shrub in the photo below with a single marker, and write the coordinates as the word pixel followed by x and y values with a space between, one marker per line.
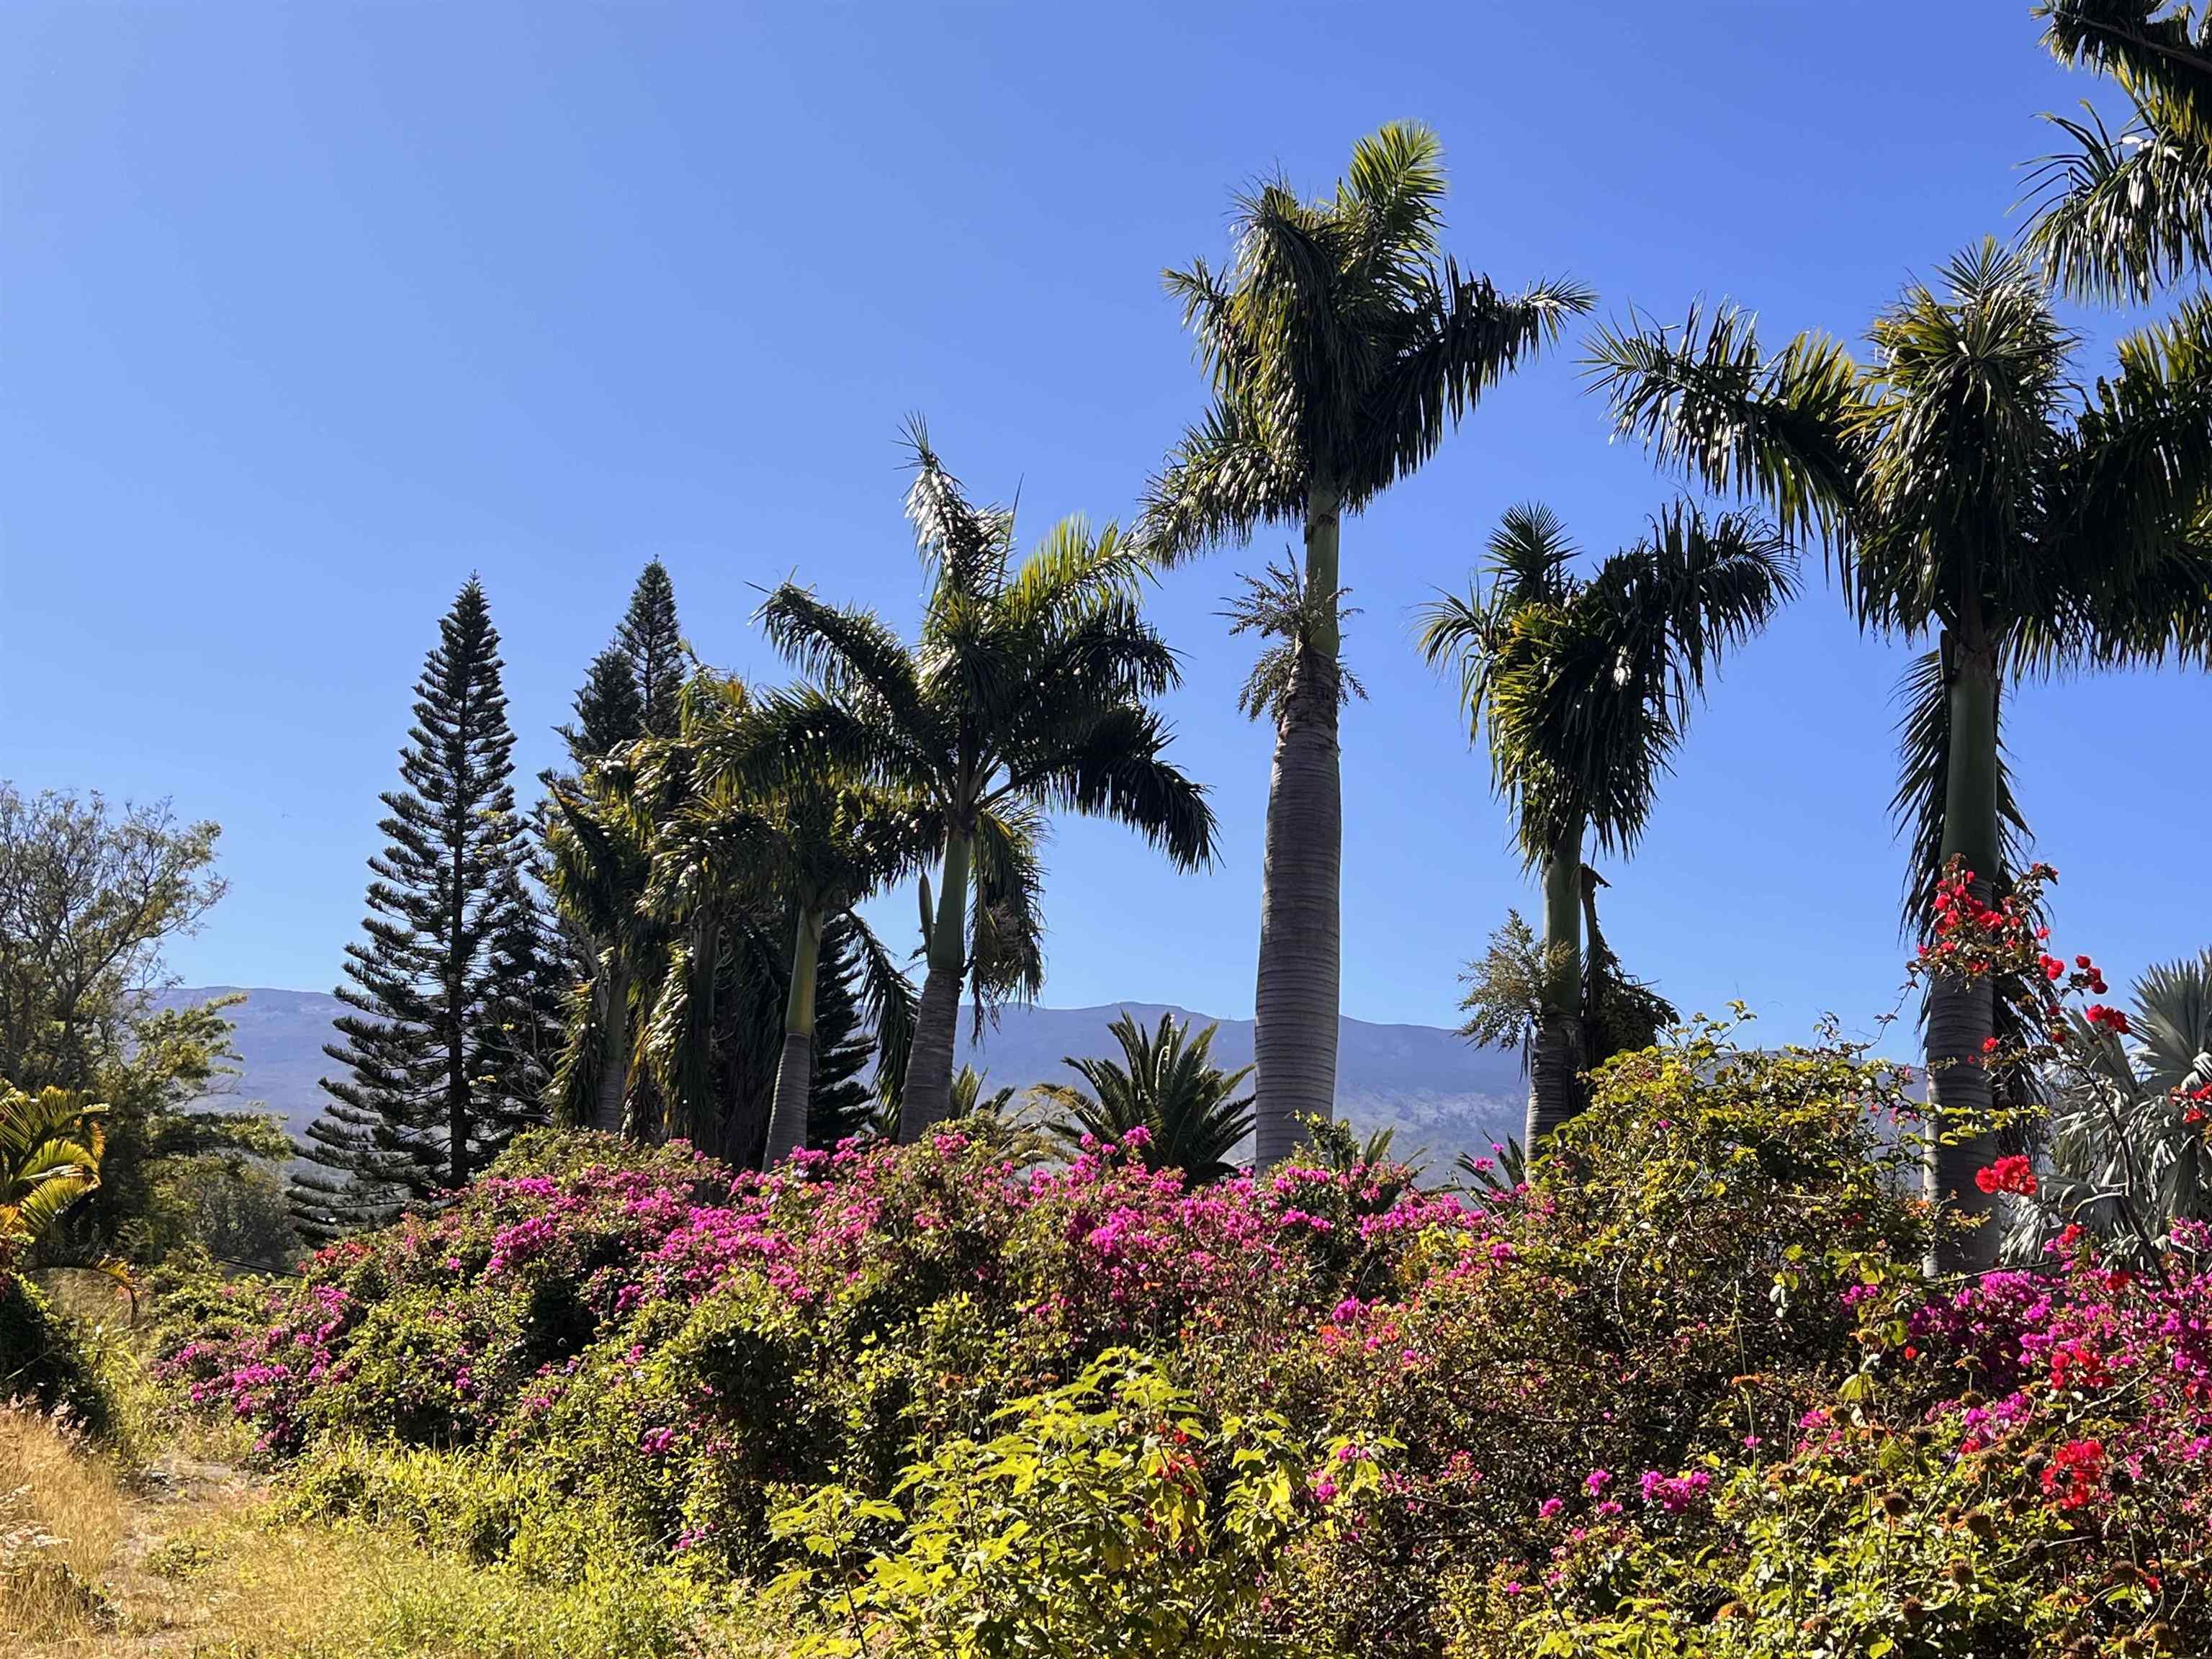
pixel 1118 1515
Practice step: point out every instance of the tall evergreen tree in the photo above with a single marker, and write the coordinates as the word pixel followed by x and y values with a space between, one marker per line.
pixel 433 1087
pixel 649 637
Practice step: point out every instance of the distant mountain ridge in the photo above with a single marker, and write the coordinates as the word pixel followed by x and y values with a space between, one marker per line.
pixel 1440 1095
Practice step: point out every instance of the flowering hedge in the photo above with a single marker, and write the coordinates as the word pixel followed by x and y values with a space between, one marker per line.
pixel 1685 1393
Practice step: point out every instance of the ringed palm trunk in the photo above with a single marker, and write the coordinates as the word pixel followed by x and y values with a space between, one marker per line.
pixel 926 1099
pixel 614 1046
pixel 1555 1069
pixel 794 1072
pixel 1962 1012
pixel 1295 1007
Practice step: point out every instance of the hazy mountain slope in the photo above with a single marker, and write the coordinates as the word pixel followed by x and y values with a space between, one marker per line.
pixel 1439 1093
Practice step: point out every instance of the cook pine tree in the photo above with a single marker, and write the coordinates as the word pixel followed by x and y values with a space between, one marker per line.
pixel 448 992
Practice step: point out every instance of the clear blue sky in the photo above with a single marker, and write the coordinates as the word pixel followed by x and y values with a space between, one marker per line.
pixel 311 310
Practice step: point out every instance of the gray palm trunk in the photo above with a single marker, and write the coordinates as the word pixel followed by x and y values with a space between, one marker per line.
pixel 1962 1011
pixel 926 1097
pixel 1295 1004
pixel 1555 1068
pixel 607 1111
pixel 794 1070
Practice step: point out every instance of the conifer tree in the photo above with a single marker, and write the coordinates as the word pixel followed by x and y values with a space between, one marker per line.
pixel 649 637
pixel 436 1079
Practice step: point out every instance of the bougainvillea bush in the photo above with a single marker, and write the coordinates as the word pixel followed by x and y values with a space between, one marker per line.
pixel 1686 1392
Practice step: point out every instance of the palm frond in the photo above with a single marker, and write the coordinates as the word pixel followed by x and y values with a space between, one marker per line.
pixel 1923 732
pixel 2122 214
pixel 1709 402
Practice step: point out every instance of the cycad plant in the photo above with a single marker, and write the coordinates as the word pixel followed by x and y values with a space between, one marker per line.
pixel 1582 689
pixel 1029 691
pixel 1967 491
pixel 1341 345
pixel 50 1147
pixel 1165 1084
pixel 2124 213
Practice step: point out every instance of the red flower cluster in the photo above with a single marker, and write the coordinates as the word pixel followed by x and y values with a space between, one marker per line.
pixel 2007 1175
pixel 2076 1475
pixel 2111 1019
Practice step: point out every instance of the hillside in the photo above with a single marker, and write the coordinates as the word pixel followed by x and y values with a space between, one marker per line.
pixel 1438 1093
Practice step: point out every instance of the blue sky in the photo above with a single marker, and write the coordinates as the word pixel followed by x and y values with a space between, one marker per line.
pixel 307 313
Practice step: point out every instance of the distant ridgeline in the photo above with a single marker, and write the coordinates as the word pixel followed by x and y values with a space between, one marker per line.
pixel 1441 1097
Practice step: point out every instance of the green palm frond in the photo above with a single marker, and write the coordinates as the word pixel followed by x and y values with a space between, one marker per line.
pixel 966 546
pixel 2173 1021
pixel 1706 400
pixel 1279 607
pixel 1164 1084
pixel 2122 214
pixel 1924 742
pixel 51 1145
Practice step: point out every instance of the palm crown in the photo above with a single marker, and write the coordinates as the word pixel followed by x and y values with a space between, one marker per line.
pixel 1028 691
pixel 1584 687
pixel 1341 346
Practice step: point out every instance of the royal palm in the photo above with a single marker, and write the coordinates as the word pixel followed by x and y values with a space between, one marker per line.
pixel 1583 689
pixel 1027 690
pixel 812 838
pixel 1341 345
pixel 1970 492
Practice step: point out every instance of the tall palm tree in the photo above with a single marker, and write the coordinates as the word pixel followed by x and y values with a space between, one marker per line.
pixel 1165 1084
pixel 1584 690
pixel 811 838
pixel 1029 691
pixel 2127 211
pixel 1965 489
pixel 1341 345
pixel 599 847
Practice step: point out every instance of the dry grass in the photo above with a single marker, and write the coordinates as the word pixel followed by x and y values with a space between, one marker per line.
pixel 62 1514
pixel 185 1561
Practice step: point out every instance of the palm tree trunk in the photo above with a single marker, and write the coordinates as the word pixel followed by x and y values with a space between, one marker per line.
pixel 1555 1070
pixel 926 1099
pixel 1296 1005
pixel 1962 1012
pixel 614 1048
pixel 794 1072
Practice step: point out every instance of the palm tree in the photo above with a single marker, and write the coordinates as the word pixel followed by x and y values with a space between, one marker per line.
pixel 1166 1084
pixel 1583 689
pixel 819 842
pixel 598 845
pixel 2128 211
pixel 50 1149
pixel 2125 1156
pixel 1341 345
pixel 1029 691
pixel 1967 490
pixel 970 1098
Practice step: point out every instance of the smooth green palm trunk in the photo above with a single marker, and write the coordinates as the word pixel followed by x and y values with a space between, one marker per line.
pixel 1295 1006
pixel 1555 1068
pixel 1962 1012
pixel 926 1099
pixel 794 1072
pixel 614 1050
